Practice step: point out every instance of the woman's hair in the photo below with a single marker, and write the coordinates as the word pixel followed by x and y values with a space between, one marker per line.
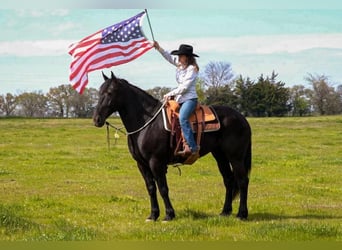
pixel 192 61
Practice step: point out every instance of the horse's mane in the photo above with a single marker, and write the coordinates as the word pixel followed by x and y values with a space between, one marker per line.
pixel 139 91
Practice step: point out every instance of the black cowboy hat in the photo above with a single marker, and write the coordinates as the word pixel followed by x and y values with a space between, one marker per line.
pixel 184 49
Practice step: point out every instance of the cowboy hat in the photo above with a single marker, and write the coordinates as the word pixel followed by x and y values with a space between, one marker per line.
pixel 184 49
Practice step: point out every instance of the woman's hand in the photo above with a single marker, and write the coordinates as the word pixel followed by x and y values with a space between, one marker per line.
pixel 168 97
pixel 156 45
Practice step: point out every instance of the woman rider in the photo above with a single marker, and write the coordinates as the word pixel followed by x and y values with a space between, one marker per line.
pixel 185 94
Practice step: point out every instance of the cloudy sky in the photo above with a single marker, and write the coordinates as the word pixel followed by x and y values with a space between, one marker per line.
pixel 256 40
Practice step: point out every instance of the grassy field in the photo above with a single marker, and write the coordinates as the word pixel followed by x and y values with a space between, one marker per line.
pixel 59 182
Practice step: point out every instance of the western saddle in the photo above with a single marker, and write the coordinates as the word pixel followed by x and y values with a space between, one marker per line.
pixel 204 119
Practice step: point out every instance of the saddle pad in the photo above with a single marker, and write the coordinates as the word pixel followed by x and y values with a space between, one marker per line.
pixel 211 121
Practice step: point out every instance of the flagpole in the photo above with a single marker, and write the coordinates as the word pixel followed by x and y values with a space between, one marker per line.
pixel 149 23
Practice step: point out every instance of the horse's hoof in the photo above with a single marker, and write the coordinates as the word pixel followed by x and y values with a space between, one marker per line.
pixel 226 214
pixel 151 218
pixel 168 218
pixel 242 216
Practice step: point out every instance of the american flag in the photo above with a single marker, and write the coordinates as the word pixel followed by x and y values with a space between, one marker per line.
pixel 114 45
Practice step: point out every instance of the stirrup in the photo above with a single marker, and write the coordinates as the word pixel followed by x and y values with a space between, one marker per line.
pixel 184 153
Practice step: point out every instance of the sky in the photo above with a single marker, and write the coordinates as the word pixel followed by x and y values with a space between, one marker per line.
pixel 293 40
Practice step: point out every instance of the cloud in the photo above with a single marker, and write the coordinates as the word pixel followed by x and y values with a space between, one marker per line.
pixel 64 28
pixel 263 45
pixel 244 45
pixel 35 48
pixel 41 13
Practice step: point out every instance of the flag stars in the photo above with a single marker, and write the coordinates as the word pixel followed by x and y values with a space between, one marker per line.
pixel 122 32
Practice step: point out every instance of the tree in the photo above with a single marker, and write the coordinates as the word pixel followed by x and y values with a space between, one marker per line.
pixel 59 100
pixel 220 96
pixel 242 94
pixel 217 74
pixel 200 89
pixel 300 100
pixel 334 103
pixel 217 78
pixel 63 101
pixel 83 105
pixel 268 97
pixel 33 104
pixel 339 92
pixel 325 99
pixel 158 92
pixel 8 103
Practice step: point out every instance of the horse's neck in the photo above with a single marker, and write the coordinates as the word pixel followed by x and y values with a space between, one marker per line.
pixel 137 109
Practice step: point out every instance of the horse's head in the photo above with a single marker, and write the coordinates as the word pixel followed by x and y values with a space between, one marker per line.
pixel 108 98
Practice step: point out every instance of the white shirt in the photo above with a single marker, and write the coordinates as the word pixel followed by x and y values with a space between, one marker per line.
pixel 185 77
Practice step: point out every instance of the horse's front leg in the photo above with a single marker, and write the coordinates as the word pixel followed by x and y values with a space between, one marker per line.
pixel 152 191
pixel 164 192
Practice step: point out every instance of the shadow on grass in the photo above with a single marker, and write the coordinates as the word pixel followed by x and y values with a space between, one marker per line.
pixel 194 214
pixel 269 216
pixel 200 215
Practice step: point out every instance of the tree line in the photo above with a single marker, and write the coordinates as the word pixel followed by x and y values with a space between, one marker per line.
pixel 62 101
pixel 264 97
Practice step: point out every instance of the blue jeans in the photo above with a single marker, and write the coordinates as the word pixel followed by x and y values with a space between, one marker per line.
pixel 186 110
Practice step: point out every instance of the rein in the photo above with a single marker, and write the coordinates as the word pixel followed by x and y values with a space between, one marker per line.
pixel 148 123
pixel 132 132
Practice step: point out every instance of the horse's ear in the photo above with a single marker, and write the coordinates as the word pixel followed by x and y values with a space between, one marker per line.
pixel 112 75
pixel 104 76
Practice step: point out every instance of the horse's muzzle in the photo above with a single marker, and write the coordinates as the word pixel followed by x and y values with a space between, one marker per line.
pixel 98 121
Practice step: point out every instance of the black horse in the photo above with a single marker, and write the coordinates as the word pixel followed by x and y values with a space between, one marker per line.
pixel 149 143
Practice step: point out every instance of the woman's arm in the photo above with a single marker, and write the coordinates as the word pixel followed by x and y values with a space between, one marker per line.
pixel 164 53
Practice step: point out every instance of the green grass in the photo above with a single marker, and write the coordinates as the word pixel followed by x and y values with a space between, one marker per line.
pixel 58 181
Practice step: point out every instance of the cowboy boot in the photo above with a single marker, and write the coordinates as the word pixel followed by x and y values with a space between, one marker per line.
pixel 186 152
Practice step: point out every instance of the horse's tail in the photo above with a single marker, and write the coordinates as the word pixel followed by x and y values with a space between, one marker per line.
pixel 248 158
pixel 247 166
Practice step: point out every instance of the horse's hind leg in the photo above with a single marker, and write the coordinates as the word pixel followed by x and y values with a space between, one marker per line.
pixel 241 176
pixel 228 180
